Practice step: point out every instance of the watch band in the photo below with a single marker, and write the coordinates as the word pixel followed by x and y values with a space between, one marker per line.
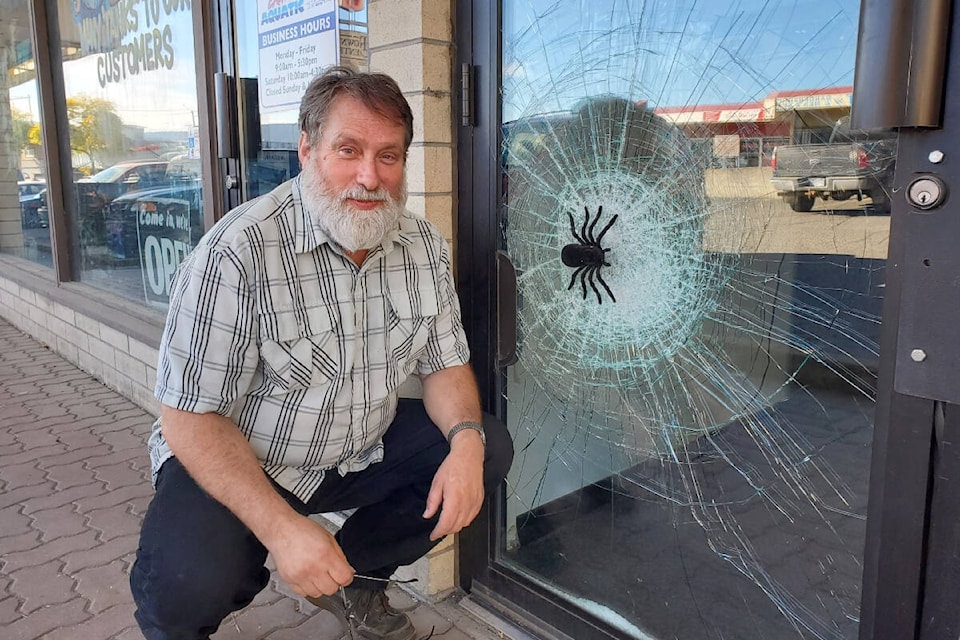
pixel 476 426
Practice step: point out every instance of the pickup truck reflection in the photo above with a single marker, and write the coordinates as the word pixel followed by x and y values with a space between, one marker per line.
pixel 851 164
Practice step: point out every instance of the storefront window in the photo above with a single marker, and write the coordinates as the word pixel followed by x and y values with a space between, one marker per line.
pixel 130 81
pixel 24 220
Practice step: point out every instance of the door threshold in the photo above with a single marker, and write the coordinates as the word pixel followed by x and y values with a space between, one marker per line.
pixel 506 617
pixel 494 620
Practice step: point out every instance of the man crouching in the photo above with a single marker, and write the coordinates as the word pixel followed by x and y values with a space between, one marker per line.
pixel 291 327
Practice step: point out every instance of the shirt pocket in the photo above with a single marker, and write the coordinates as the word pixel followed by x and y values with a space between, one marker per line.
pixel 411 316
pixel 298 349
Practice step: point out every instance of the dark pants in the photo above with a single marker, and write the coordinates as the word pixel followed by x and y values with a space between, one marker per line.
pixel 197 562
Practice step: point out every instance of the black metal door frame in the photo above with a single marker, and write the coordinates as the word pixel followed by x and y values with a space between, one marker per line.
pixel 908 70
pixel 912 550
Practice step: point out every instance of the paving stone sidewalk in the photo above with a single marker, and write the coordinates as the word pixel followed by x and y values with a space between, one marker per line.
pixel 74 485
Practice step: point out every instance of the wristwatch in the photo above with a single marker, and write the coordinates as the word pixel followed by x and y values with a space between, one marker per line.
pixel 476 426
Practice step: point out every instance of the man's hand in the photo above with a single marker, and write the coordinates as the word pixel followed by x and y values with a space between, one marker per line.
pixel 457 489
pixel 215 453
pixel 308 558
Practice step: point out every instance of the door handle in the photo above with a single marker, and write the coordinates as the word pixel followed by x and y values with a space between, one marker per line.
pixel 901 58
pixel 225 97
pixel 506 311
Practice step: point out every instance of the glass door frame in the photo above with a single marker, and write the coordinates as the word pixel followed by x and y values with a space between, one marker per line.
pixel 907 575
pixel 221 94
pixel 477 109
pixel 235 110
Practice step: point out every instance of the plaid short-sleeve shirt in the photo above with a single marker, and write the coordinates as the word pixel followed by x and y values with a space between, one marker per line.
pixel 273 326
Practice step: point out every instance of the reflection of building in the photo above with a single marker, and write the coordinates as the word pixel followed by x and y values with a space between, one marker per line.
pixel 32 162
pixel 745 134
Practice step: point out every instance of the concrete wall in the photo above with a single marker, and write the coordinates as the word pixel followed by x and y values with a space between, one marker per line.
pixel 413 43
pixel 123 362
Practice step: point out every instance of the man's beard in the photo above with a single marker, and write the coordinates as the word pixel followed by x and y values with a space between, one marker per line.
pixel 351 228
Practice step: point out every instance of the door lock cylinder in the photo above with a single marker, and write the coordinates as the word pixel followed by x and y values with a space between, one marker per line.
pixel 926 192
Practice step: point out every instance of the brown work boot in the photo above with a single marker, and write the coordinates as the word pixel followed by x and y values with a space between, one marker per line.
pixel 369 613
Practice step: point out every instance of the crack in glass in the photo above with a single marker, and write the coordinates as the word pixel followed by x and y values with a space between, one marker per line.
pixel 695 443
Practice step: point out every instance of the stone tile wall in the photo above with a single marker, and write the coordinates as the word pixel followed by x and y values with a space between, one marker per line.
pixel 413 43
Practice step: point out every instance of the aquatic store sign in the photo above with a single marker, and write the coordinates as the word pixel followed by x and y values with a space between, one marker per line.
pixel 297 39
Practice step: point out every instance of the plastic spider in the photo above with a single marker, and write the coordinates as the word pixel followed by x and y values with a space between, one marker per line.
pixel 587 255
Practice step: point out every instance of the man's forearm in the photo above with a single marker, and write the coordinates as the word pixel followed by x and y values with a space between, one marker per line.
pixel 216 454
pixel 451 396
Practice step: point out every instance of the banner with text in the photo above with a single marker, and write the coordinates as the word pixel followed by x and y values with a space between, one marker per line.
pixel 164 237
pixel 129 36
pixel 297 39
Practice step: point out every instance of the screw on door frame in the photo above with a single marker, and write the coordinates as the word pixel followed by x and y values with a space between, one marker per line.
pixel 936 156
pixel 918 355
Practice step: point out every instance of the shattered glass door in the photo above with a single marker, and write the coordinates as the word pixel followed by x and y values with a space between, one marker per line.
pixel 700 241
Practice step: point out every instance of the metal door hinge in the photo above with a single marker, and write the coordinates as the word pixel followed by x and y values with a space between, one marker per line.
pixel 466 95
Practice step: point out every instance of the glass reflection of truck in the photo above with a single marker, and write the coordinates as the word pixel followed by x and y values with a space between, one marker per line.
pixel 33 197
pixel 852 164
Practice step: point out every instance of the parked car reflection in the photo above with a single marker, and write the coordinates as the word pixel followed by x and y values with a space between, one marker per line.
pixel 33 198
pixel 150 231
pixel 94 195
pixel 176 205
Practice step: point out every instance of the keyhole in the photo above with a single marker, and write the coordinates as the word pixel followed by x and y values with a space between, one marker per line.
pixel 926 192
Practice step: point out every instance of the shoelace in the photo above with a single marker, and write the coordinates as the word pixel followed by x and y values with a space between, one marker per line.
pixel 352 618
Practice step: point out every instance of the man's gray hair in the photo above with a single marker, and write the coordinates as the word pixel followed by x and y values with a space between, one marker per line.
pixel 377 91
